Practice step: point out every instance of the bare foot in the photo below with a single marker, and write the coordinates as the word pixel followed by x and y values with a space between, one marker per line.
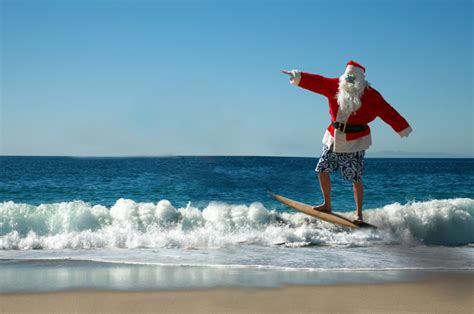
pixel 359 220
pixel 322 208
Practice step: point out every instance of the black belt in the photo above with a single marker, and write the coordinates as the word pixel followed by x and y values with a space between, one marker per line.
pixel 349 128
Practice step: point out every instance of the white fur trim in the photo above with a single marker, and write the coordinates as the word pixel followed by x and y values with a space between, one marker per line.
pixel 405 132
pixel 341 145
pixel 354 70
pixel 295 77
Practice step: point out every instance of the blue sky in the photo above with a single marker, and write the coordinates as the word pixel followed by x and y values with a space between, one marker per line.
pixel 126 78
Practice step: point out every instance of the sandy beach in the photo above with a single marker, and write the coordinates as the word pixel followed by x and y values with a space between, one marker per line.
pixel 438 293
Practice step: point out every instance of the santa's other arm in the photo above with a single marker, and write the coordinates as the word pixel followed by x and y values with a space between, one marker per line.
pixel 390 116
pixel 313 82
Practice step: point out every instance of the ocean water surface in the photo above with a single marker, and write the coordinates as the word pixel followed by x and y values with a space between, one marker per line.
pixel 176 222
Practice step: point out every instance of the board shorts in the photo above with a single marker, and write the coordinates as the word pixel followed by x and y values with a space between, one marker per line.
pixel 350 164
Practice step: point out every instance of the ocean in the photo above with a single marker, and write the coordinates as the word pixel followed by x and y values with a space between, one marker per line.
pixel 198 222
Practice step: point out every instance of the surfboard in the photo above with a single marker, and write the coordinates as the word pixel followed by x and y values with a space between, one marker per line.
pixel 328 217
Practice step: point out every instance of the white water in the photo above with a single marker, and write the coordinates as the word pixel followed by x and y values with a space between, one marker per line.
pixel 412 236
pixel 127 224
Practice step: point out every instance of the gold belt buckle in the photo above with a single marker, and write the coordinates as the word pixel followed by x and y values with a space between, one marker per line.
pixel 344 129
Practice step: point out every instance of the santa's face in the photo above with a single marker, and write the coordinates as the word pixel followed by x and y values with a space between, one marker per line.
pixel 353 79
pixel 351 87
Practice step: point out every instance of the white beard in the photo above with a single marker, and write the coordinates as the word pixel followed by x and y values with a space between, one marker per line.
pixel 349 94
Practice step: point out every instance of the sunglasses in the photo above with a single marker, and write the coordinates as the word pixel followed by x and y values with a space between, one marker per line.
pixel 351 78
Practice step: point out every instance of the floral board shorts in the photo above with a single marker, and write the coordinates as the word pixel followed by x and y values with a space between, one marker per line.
pixel 350 164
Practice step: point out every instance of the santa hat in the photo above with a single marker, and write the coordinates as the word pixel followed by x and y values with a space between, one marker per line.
pixel 355 64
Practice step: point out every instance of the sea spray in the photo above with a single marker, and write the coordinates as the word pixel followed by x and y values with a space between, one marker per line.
pixel 128 224
pixel 435 222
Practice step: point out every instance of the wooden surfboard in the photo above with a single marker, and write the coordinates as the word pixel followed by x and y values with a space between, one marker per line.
pixel 328 217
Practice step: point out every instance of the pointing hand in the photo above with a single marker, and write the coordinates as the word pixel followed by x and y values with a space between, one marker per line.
pixel 290 73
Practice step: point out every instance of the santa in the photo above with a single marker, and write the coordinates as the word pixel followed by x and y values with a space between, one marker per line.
pixel 353 104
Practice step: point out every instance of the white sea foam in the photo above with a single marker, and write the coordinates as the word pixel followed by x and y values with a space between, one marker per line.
pixel 128 224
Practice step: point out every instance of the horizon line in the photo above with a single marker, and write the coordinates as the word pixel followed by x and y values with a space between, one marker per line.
pixel 261 156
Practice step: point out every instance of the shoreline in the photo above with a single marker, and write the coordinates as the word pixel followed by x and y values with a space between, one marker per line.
pixel 60 275
pixel 436 292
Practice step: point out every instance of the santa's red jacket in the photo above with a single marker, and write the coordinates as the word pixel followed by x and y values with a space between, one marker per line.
pixel 372 106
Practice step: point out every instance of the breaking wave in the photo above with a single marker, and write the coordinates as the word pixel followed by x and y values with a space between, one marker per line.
pixel 128 224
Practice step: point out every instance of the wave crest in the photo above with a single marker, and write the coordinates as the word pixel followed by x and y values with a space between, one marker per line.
pixel 435 222
pixel 128 224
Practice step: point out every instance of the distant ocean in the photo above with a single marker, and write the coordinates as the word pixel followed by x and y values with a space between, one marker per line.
pixel 174 222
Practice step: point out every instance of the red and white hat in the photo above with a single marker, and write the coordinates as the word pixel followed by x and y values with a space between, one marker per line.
pixel 355 64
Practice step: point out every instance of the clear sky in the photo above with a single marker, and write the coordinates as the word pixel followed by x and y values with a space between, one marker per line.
pixel 127 78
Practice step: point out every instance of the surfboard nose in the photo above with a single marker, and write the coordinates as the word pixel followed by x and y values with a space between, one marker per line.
pixel 271 193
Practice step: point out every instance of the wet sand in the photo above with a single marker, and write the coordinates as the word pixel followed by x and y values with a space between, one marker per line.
pixel 437 293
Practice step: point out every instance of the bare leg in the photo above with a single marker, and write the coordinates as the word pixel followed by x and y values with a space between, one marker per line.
pixel 358 197
pixel 325 183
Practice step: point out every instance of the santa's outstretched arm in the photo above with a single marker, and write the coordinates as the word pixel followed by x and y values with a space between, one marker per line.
pixel 313 82
pixel 391 116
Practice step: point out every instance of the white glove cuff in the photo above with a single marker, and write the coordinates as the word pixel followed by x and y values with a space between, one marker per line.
pixel 405 132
